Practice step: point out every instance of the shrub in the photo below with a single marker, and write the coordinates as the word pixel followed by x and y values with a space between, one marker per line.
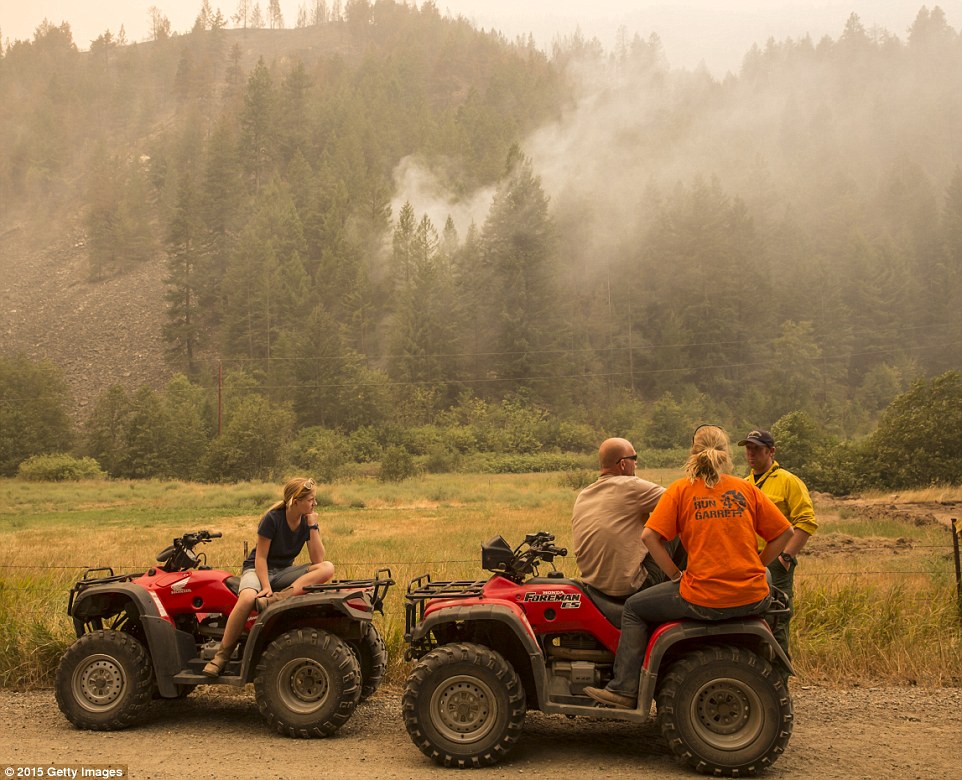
pixel 569 436
pixel 919 436
pixel 59 467
pixel 669 426
pixel 321 453
pixel 420 440
pixel 507 463
pixel 364 445
pixel 255 442
pixel 397 465
pixel 33 418
pixel 577 480
pixel 442 459
pixel 662 459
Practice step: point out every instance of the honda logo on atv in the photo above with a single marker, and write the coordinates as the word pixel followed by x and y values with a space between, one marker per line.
pixel 568 600
pixel 181 586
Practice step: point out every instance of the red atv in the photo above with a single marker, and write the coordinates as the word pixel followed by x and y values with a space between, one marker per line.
pixel 143 636
pixel 490 650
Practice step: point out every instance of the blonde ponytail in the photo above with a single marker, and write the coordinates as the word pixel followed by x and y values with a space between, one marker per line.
pixel 710 455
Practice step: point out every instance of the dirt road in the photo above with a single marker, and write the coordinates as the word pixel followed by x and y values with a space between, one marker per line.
pixel 858 733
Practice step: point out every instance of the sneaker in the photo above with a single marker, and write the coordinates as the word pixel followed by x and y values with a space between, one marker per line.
pixel 612 699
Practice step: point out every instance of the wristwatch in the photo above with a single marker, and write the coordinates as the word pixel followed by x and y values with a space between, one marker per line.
pixel 313 527
pixel 789 559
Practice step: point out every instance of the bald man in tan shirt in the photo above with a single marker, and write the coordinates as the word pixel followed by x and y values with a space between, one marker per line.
pixel 608 518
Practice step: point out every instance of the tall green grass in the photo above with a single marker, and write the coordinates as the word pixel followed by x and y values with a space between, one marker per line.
pixel 851 625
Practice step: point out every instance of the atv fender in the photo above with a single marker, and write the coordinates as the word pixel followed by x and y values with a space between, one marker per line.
pixel 505 613
pixel 326 610
pixel 169 649
pixel 670 634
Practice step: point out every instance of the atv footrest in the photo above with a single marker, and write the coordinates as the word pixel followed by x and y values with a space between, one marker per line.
pixel 229 677
pixel 194 673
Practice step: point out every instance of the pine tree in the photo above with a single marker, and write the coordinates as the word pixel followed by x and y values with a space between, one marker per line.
pixel 518 252
pixel 257 125
pixel 274 15
pixel 185 252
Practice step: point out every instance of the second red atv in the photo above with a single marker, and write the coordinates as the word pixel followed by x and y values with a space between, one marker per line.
pixel 148 635
pixel 489 650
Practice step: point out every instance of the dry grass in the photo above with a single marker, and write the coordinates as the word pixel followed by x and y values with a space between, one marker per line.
pixel 862 616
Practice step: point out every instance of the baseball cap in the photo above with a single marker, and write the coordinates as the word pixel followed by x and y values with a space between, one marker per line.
pixel 758 437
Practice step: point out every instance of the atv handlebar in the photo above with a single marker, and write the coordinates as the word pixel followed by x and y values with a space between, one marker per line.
pixel 180 555
pixel 497 556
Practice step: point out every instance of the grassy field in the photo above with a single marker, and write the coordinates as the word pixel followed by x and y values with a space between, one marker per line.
pixel 875 594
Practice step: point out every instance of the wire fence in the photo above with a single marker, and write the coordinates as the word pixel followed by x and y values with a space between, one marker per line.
pixel 954 546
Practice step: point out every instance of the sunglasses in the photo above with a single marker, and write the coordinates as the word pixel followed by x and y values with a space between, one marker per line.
pixel 305 489
pixel 630 457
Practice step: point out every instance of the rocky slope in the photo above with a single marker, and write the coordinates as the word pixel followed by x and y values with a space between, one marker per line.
pixel 98 333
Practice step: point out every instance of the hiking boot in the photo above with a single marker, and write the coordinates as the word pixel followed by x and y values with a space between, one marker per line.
pixel 263 602
pixel 216 664
pixel 612 699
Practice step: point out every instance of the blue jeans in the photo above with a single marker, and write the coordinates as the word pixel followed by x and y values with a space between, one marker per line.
pixel 660 604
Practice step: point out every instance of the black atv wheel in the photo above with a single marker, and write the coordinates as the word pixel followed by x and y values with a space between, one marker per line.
pixel 725 710
pixel 371 654
pixel 104 681
pixel 464 706
pixel 307 684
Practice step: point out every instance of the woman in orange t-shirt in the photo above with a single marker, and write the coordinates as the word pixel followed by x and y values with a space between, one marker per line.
pixel 718 517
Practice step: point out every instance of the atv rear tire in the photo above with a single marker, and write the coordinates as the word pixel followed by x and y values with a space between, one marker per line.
pixel 464 706
pixel 371 654
pixel 307 684
pixel 104 681
pixel 725 710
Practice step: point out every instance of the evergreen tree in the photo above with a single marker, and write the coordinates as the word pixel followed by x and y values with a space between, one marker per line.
pixel 185 253
pixel 243 13
pixel 518 242
pixel 423 343
pixel 220 211
pixel 145 437
pixel 257 125
pixel 274 15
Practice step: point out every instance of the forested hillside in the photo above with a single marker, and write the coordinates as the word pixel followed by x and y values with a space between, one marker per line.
pixel 653 246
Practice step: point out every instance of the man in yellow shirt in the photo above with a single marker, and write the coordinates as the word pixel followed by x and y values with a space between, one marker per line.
pixel 791 497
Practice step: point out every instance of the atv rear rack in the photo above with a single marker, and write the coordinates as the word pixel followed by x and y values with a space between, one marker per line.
pixel 422 590
pixel 379 586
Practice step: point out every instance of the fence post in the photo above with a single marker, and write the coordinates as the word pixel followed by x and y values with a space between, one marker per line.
pixel 958 567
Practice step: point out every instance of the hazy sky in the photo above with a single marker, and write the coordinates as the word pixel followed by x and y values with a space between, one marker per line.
pixel 716 31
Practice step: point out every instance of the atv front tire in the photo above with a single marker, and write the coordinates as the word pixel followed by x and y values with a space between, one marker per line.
pixel 104 681
pixel 725 711
pixel 464 706
pixel 307 684
pixel 371 654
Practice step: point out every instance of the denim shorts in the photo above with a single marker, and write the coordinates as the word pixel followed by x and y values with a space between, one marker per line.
pixel 249 578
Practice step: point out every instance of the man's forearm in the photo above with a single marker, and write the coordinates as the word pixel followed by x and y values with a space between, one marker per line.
pixel 797 542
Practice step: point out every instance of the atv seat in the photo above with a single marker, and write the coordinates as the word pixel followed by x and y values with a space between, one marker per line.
pixel 610 606
pixel 232 584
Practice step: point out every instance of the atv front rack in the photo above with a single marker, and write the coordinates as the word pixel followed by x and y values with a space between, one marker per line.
pixel 422 590
pixel 88 580
pixel 378 586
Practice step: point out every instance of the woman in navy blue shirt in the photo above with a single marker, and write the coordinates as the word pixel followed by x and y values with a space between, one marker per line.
pixel 281 535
